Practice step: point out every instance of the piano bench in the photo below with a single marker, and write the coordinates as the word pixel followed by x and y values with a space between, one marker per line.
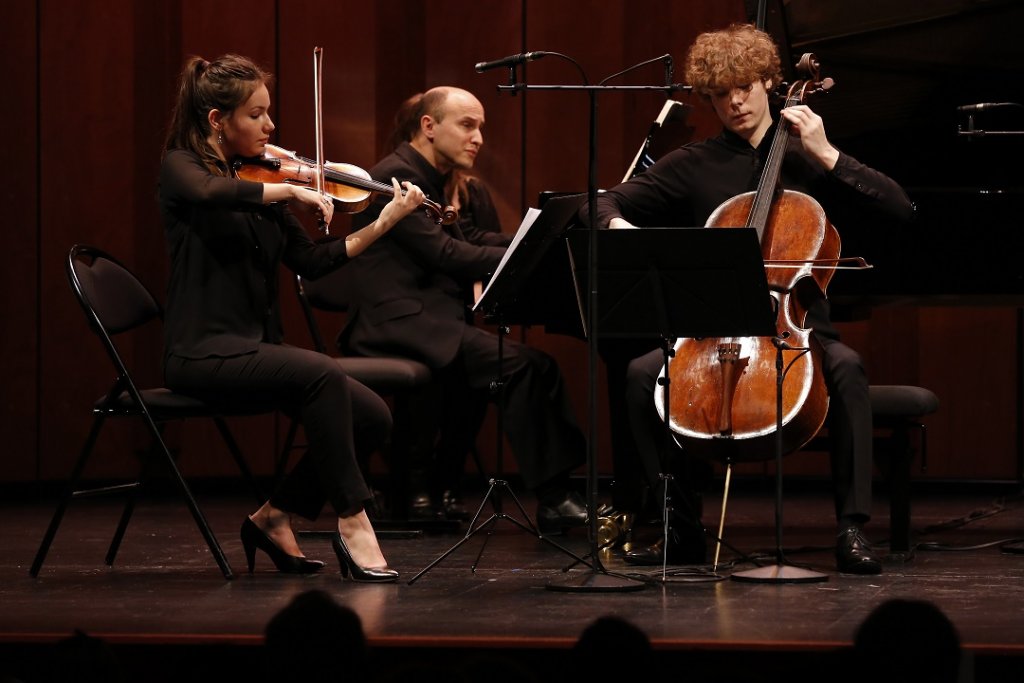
pixel 897 411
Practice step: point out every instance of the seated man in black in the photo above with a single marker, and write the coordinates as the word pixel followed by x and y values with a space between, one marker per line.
pixel 410 300
pixel 438 458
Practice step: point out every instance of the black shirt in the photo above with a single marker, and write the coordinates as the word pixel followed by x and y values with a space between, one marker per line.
pixel 686 185
pixel 225 247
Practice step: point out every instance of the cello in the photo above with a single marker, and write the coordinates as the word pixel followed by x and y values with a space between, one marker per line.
pixel 725 390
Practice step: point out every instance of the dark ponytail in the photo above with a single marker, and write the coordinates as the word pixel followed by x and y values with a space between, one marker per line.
pixel 224 84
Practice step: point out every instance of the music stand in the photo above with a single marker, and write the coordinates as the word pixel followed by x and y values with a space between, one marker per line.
pixel 507 300
pixel 533 284
pixel 714 279
pixel 716 282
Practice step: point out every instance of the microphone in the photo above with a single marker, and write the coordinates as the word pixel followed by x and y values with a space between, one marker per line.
pixel 510 61
pixel 983 105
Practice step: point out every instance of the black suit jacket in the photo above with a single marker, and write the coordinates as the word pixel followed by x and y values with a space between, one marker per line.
pixel 408 287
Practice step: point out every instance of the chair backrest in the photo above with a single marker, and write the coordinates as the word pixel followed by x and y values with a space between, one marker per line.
pixel 302 291
pixel 112 297
pixel 331 293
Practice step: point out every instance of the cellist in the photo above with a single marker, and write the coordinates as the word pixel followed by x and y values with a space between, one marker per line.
pixel 734 70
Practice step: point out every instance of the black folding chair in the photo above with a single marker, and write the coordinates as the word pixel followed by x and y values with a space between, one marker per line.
pixel 115 302
pixel 407 382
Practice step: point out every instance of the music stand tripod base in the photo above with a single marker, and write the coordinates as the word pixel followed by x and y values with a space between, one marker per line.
pixel 595 582
pixel 779 573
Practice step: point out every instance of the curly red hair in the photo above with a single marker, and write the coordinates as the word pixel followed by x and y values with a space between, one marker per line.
pixel 735 56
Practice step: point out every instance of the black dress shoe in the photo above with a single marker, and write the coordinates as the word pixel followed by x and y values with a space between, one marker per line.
pixel 687 547
pixel 421 506
pixel 453 508
pixel 557 517
pixel 854 554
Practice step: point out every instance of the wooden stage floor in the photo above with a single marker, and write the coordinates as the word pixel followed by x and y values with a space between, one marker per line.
pixel 165 594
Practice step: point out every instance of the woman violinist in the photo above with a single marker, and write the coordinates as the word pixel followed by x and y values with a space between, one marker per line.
pixel 226 238
pixel 734 70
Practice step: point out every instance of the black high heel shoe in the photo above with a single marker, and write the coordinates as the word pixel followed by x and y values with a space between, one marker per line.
pixel 253 537
pixel 363 574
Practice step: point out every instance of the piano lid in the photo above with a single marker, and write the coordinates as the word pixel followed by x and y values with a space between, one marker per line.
pixel 902 68
pixel 896 61
pixel 966 246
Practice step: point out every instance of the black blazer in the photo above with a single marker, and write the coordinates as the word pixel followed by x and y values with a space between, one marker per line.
pixel 408 287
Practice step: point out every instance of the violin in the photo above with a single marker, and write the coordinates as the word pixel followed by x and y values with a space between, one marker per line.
pixel 349 187
pixel 727 403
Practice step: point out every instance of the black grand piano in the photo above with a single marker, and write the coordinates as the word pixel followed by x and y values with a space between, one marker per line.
pixel 904 69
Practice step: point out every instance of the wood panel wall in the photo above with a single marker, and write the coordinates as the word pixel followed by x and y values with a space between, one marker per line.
pixel 90 85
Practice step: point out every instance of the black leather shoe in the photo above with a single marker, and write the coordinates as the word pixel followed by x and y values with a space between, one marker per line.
pixel 453 508
pixel 689 547
pixel 854 554
pixel 421 506
pixel 558 517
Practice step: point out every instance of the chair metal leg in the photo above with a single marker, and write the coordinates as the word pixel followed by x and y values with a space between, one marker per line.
pixel 236 453
pixel 204 527
pixel 900 458
pixel 190 501
pixel 122 526
pixel 62 506
pixel 129 508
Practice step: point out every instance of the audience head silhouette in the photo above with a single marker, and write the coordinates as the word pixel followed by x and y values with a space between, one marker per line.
pixel 315 638
pixel 909 640
pixel 82 658
pixel 609 648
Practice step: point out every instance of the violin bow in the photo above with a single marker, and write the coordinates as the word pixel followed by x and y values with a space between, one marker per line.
pixel 841 263
pixel 318 127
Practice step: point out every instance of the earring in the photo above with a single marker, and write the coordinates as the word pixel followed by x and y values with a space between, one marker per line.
pixel 220 138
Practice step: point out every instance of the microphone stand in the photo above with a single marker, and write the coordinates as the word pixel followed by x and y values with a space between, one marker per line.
pixel 972 132
pixel 598 579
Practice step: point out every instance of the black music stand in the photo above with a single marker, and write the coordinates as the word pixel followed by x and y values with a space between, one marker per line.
pixel 509 299
pixel 598 581
pixel 715 280
pixel 533 285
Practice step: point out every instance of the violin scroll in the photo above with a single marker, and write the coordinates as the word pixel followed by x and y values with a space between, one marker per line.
pixel 441 216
